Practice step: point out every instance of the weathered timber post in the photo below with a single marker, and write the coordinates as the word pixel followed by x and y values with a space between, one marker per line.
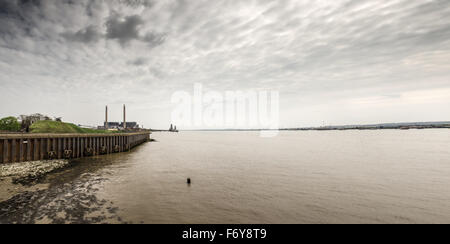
pixel 13 151
pixel 35 155
pixel 28 158
pixel 4 148
pixel 20 150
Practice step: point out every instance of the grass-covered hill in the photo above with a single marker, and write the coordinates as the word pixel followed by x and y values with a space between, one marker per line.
pixel 47 126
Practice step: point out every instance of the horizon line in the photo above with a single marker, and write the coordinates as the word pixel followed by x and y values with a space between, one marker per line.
pixel 443 122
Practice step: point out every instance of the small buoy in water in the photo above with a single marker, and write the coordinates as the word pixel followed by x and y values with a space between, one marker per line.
pixel 189 180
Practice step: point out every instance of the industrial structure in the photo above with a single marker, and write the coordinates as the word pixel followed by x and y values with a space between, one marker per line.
pixel 173 128
pixel 119 125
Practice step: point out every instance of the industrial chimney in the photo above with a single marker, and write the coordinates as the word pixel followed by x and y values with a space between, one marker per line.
pixel 106 117
pixel 124 117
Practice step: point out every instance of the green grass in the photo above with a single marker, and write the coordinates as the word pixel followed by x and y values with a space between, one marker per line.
pixel 61 127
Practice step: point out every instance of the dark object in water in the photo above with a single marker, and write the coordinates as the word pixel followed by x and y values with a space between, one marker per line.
pixel 189 180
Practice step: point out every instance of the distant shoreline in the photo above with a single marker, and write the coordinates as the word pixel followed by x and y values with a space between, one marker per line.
pixel 384 126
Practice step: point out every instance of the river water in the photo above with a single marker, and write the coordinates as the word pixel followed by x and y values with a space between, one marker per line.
pixel 380 176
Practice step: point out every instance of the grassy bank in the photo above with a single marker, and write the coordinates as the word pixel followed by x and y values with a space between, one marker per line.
pixel 60 127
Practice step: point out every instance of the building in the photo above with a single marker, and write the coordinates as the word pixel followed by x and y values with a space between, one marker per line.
pixel 118 125
pixel 33 118
pixel 27 120
pixel 129 125
pixel 112 125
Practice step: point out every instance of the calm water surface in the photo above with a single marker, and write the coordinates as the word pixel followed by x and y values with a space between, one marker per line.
pixel 384 176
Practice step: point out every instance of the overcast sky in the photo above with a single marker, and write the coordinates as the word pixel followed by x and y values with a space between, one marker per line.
pixel 333 62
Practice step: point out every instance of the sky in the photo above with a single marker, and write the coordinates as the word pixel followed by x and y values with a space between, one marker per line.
pixel 332 62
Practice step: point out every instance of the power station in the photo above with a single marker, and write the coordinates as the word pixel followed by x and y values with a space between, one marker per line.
pixel 124 125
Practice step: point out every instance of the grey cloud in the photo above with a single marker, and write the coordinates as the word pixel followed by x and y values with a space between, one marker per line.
pixel 87 35
pixel 137 3
pixel 154 39
pixel 138 61
pixel 126 29
pixel 32 18
pixel 123 29
pixel 18 17
pixel 304 49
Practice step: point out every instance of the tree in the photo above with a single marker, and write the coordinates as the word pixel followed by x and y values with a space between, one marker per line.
pixel 9 124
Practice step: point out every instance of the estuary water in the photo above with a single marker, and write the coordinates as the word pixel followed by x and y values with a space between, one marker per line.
pixel 379 176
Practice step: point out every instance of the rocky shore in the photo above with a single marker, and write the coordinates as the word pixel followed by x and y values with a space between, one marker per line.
pixel 29 172
pixel 74 203
pixel 20 177
pixel 28 195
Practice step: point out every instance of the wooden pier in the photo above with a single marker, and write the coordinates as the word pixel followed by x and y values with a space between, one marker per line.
pixel 32 147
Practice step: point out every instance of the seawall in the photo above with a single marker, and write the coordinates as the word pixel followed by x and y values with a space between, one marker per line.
pixel 32 147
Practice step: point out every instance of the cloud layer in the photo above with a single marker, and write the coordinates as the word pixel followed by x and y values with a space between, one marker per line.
pixel 335 61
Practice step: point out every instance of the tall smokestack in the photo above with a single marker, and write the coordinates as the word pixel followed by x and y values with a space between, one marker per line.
pixel 124 117
pixel 106 117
